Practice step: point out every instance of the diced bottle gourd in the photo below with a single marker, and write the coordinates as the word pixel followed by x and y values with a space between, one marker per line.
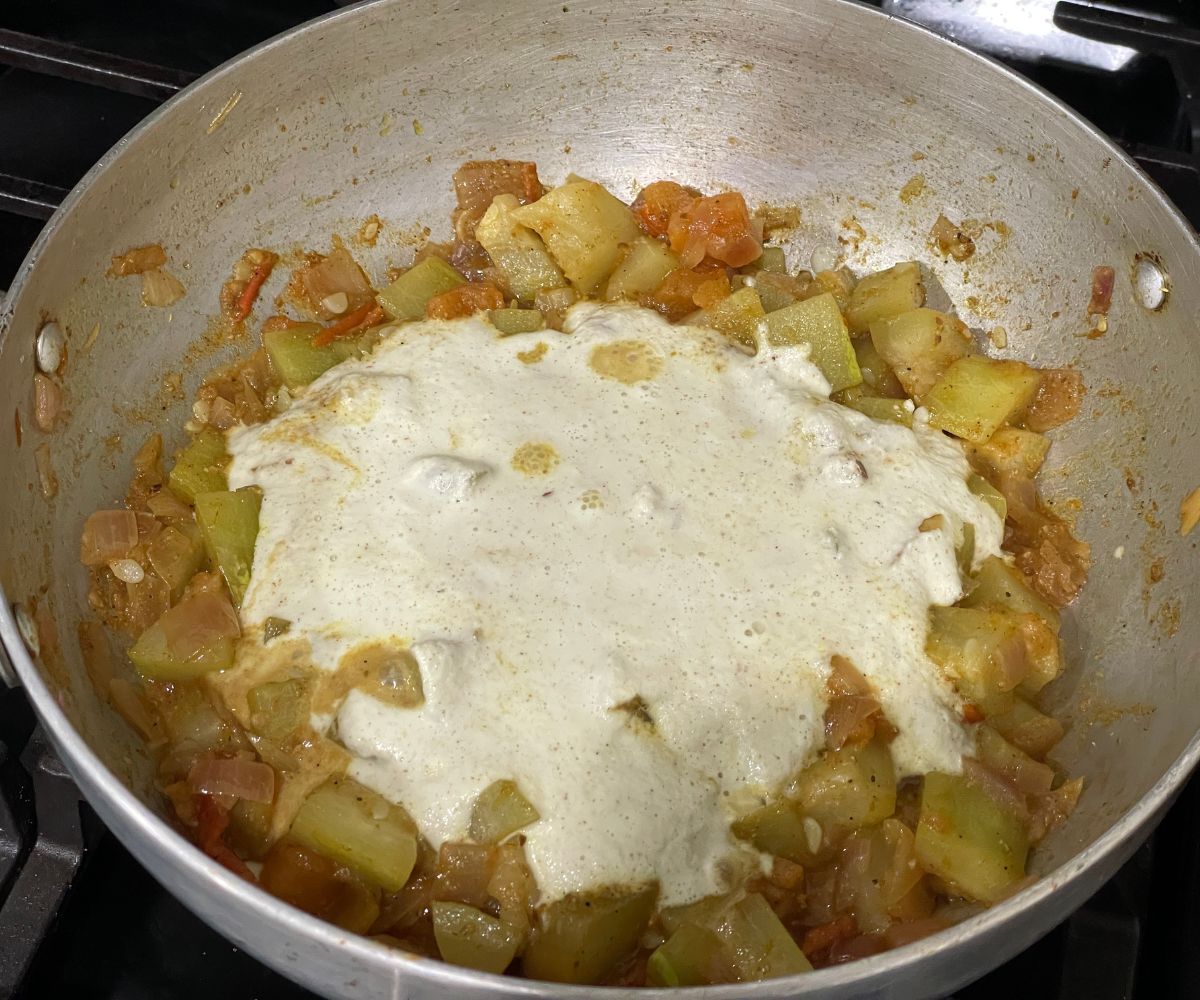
pixel 351 824
pixel 988 494
pixel 517 250
pixel 818 323
pixel 850 787
pixel 878 377
pixel 193 638
pixel 278 708
pixel 228 521
pixel 995 752
pixel 500 810
pixel 584 228
pixel 646 263
pixel 1026 728
pixel 1012 451
pixel 772 260
pixel 406 297
pixel 296 360
pixel 745 942
pixel 779 828
pixel 982 650
pixel 692 956
pixel 999 585
pixel 469 937
pixel 968 839
pixel 318 885
pixel 581 938
pixel 738 317
pixel 511 321
pixel 884 294
pixel 977 394
pixel 176 554
pixel 919 345
pixel 200 466
pixel 896 411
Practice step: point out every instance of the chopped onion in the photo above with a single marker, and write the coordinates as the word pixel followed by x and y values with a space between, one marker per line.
pixel 846 720
pixel 129 701
pixel 1011 659
pixel 167 506
pixel 138 260
pixel 1052 809
pixel 97 655
pixel 1006 795
pixel 1103 279
pixel 234 777
pixel 47 402
pixel 161 289
pixel 950 240
pixel 127 570
pixel 199 621
pixel 108 535
pixel 221 414
pixel 848 717
pixel 47 480
pixel 336 274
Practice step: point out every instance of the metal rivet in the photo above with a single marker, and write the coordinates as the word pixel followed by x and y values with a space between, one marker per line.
pixel 1151 286
pixel 27 629
pixel 50 346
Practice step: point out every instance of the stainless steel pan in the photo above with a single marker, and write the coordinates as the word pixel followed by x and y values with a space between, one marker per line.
pixel 818 102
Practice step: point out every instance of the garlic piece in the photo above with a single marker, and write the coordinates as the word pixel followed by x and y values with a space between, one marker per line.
pixel 337 303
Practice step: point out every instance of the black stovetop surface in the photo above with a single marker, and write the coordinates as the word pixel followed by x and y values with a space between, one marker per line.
pixel 117 934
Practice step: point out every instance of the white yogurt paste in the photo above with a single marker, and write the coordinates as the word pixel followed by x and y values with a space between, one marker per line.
pixel 704 539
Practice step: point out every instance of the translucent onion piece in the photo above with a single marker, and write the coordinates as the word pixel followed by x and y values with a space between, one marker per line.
pixel 1007 796
pixel 129 701
pixel 47 402
pixel 233 777
pixel 200 621
pixel 108 535
pixel 138 260
pixel 47 480
pixel 161 289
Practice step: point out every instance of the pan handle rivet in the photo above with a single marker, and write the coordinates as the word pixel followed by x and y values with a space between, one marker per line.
pixel 49 348
pixel 1150 282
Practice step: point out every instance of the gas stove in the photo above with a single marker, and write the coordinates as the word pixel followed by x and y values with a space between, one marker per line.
pixel 78 916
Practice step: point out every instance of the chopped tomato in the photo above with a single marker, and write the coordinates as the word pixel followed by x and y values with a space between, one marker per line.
pixel 319 886
pixel 684 289
pixel 476 183
pixel 366 315
pixel 972 713
pixel 820 940
pixel 239 293
pixel 212 819
pixel 464 300
pixel 657 202
pixel 712 291
pixel 718 226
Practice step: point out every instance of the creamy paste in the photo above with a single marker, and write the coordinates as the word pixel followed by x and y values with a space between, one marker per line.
pixel 560 524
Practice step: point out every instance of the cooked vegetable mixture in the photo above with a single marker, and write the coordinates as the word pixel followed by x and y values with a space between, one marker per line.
pixel 853 854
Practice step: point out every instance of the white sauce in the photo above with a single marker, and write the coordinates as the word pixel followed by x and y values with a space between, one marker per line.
pixel 706 540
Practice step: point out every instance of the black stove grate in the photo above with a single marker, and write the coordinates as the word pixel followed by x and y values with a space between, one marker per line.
pixel 80 917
